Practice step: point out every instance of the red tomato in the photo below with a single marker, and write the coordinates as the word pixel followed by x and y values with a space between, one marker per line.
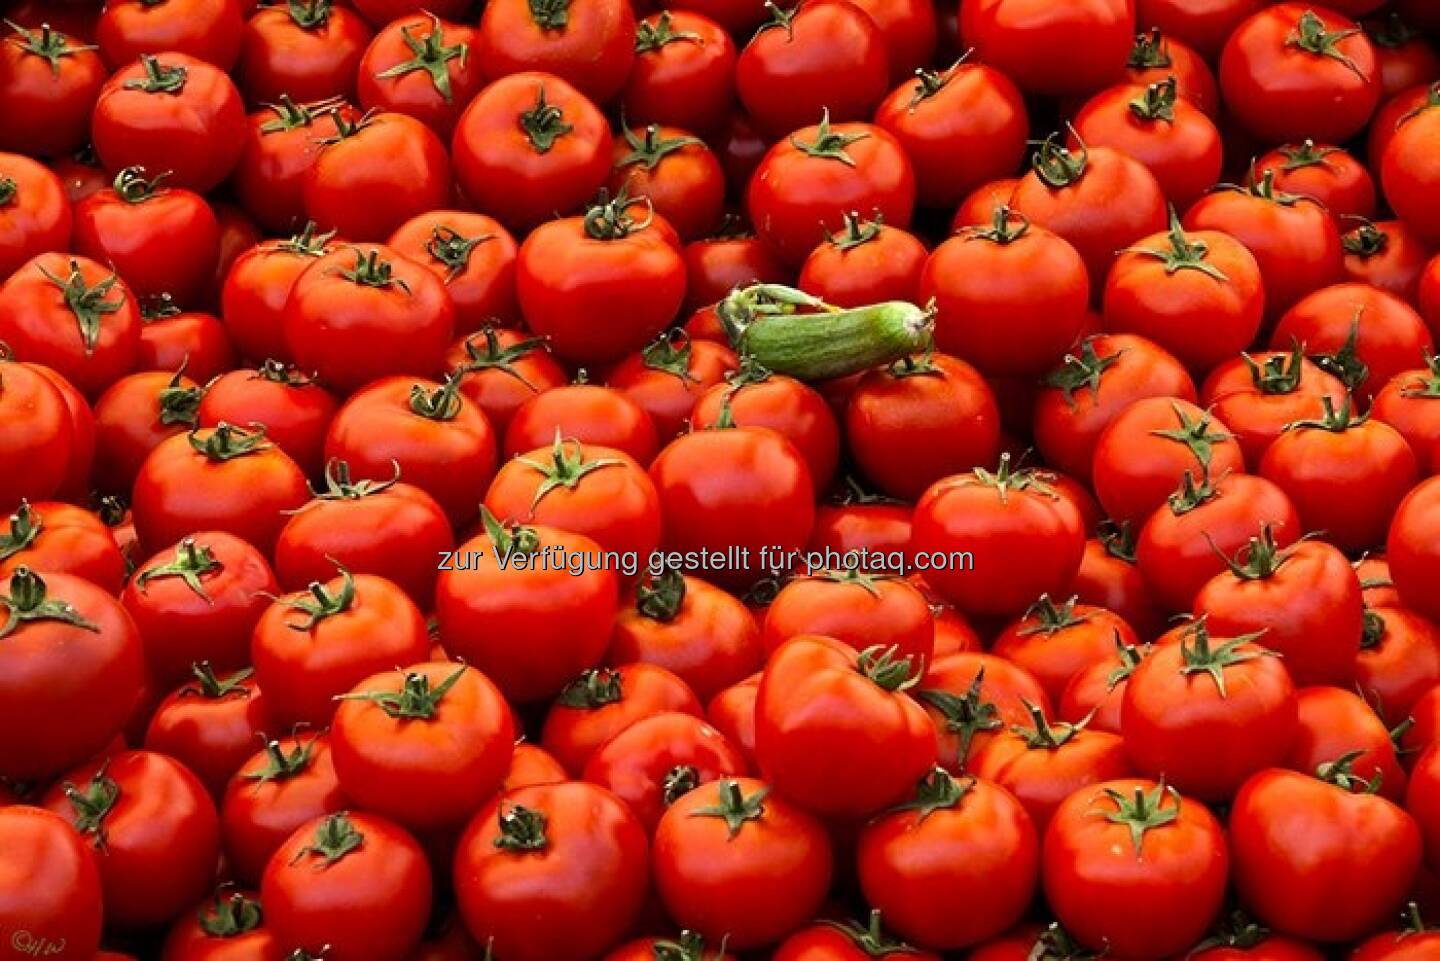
pixel 1399 660
pixel 294 409
pixel 909 31
pixel 1404 404
pixel 733 859
pixel 1117 840
pixel 866 264
pixel 1406 57
pixel 602 702
pixel 732 711
pixel 590 414
pixel 229 926
pixel 1258 395
pixel 1422 799
pixel 1057 642
pixel 50 82
pixel 310 51
pixel 474 256
pixel 971 697
pixel 49 885
pixel 134 417
pixel 206 31
pixel 513 862
pixel 356 885
pixel 589 43
pixel 153 830
pixel 60 538
pixel 509 370
pixel 859 609
pixel 40 434
pixel 1388 255
pixel 1336 723
pixel 280 146
pixel 733 258
pixel 796 411
pixel 684 72
pixel 172 338
pixel 675 173
pixel 421 65
pixel 1034 42
pixel 1408 169
pixel 209 724
pixel 1327 175
pixel 171 112
pixel 1157 56
pixel 979 206
pixel 253 295
pixel 1096 696
pixel 1203 26
pixel 530 765
pixel 669 376
pixel 35 215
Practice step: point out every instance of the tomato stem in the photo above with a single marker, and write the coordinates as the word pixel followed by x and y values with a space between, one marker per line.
pixel 27 602
pixel 213 688
pixel 415 700
pixel 654 36
pixel 334 838
pixel 25 527
pixel 432 56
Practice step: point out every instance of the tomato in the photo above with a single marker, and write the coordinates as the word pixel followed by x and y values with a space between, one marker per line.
pixel 284 785
pixel 356 885
pixel 1325 174
pixel 426 749
pixel 683 74
pixel 279 148
pixel 733 258
pixel 1289 72
pixel 1009 298
pixel 1406 58
pixel 1294 240
pixel 1360 853
pixel 410 68
pixel 1421 800
pixel 732 858
pixel 860 609
pixel 516 581
pixel 530 146
pixel 1157 56
pixel 1258 395
pixel 152 828
pixel 1098 199
pixel 474 256
pixel 674 173
pixel 601 703
pixel 732 712
pixel 513 860
pixel 827 940
pixel 859 521
pixel 807 182
pixel 1033 41
pixel 74 316
pixel 1238 938
pixel 585 412
pixel 1387 255
pixel 1057 642
pixel 254 292
pixel 1095 696
pixel 997 521
pixel 40 434
pixel 589 43
pixel 50 536
pixel 1124 839
pixel 206 31
pixel 391 305
pixel 602 285
pixel 227 927
pixel 1092 386
pixel 49 886
pixel 737 501
pixel 530 765
pixel 757 398
pixel 309 50
pixel 1407 167
pixel 509 370
pixel 171 112
pixel 1399 660
pixel 50 82
pixel 670 375
pixel 1335 723
pixel 172 338
pixel 134 416
pixel 979 206
pixel 828 55
pixel 294 409
pixel 1404 404
pixel 866 264
pixel 209 724
pixel 35 215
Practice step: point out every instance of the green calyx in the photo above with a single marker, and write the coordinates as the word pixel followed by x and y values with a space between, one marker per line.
pixel 1118 539
pixel 159 307
pixel 1150 52
pixel 431 55
pixel 1306 155
pixel 1157 102
pixel 608 218
pixel 871 938
pixel 307 243
pixel 1236 930
pixel 1130 656
pixel 49 45
pixel 1334 420
pixel 780 17
pixel 733 807
pixel 649 148
pixel 1082 371
pixel 92 805
pixel 213 688
pixel 1264 188
pixel 25 528
pixel 1056 944
pixel 888 669
pixel 550 14
pixel 1341 773
pixel 1001 231
pixel 513 539
pixel 856 232
pixel 227 442
pixel 88 304
pixel 309 15
pixel 1345 362
pixel 1192 493
pixel 928 83
pixel 319 604
pixel 453 249
pixel 1007 478
pixel 1044 735
pixel 1047 618
pixel 27 602
pixel 936 791
pixel 1058 166
pixel 159 78
pixel 1198 657
pixel 965 715
pixel 1260 558
pixel 689 946
pixel 290 115
pixel 1311 36
pixel 521 829
pixel 679 781
pixel 415 700
pixel 1279 374
pixel 1365 241
pixel 179 404
pixel 1427 385
pixel 828 144
pixel 1183 253
pixel 280 766
pixel 567 467
pixel 340 487
pixel 229 917
pixel 1373 632
pixel 593 689
pixel 493 356
pixel 371 271
pixel 865 580
pixel 670 353
pixel 1143 812
pixel 1195 434
pixel 1391 32
pixel 661 597
pixel 335 838
pixel 132 187
pixel 544 123
pixel 441 404
pixel 9 189
pixel 650 37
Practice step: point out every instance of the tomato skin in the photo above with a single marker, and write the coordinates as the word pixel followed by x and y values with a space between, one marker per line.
pixel 294 409
pixel 599 297
pixel 1090 866
pixel 599 704
pixel 156 844
pixel 404 330
pixel 856 609
pixel 1422 799
pixel 591 46
pixel 1361 853
pixel 415 92
pixel 254 292
pixel 369 904
pixel 209 727
pixel 39 434
pixel 867 264
pixel 279 148
pixel 1389 255
pixel 196 132
pixel 1282 91
pixel 1056 643
pixel 1041 777
pixel 785 405
pixel 683 74
pixel 50 884
pixel 529 766
pixel 1408 170
pixel 1404 404
pixel 265 802
pixel 675 171
pixel 1009 298
pixel 501 369
pixel 798 191
pixel 1257 403
pixel 520 900
pixel 475 258
pixel 588 413
pixel 36 215
pixel 1335 722
pixel 1399 661
pixel 1033 42
pixel 38 326
pixel 282 55
pixel 758 884
pixel 843 528
pixel 668 377
pixel 522 180
pixel 225 929
pixel 133 417
pixel 1410 548
pixel 732 712
pixel 206 31
pixel 1203 26
pixel 1109 578
pixel 48 108
pixel 1325 174
pixel 717 265
pixel 194 339
pixel 1157 56
pixel 67 540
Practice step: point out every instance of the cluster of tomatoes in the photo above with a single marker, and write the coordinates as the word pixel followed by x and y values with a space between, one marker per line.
pixel 402 410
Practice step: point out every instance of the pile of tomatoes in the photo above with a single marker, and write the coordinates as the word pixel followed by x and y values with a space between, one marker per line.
pixel 698 480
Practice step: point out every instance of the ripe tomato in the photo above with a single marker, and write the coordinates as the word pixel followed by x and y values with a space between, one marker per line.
pixel 690 944
pixel 584 412
pixel 669 376
pixel 675 173
pixel 153 830
pixel 50 885
pixel 50 82
pixel 40 434
pixel 806 183
pixel 513 860
pixel 1422 800
pixel 355 884
pixel 280 141
pixel 1096 695
pixel 391 305
pixel 796 411
pixel 206 31
pixel 733 258
pixel 865 264
pixel 294 409
pixel 410 68
pixel 602 702
pixel 732 858
pixel 1289 72
pixel 857 608
pixel 134 416
pixel 253 294
pixel 1010 298
pixel 474 256
pixel 516 581
pixel 1118 840
pixel 310 646
pixel 603 285
pixel 1399 661
pixel 35 215
pixel 1388 255
pixel 209 724
pixel 683 74
pixel 589 43
pixel 1404 404
pixel 1258 395
pixel 309 50
pixel 1406 58
pixel 1360 853
pixel 229 926
pixel 1408 170
pixel 1327 175
pixel 502 375
pixel 171 112
pixel 1057 642
pixel 60 538
pixel 1033 41
pixel 976 526
pixel 172 338
pixel 286 784
pixel 530 146
pixel 1335 723
pixel 1157 56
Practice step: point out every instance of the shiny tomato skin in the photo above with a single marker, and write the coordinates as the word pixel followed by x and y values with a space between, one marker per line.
pixel 1257 403
pixel 1057 642
pixel 414 91
pixel 785 405
pixel 1335 722
pixel 81 455
pixel 253 295
pixel 501 369
pixel 684 72
pixel 49 106
pixel 49 883
pixel 206 31
pixel 1325 174
pixel 584 412
pixel 1159 55
pixel 475 257
pixel 133 417
pixel 859 610
pixel 1033 41
pixel 866 264
pixel 209 724
pixel 1405 404
pixel 39 436
pixel 591 45
pixel 1411 547
pixel 227 928
pixel 55 537
pixel 168 242
pixel 1422 799
pixel 1203 26
pixel 676 172
pixel 36 216
pixel 294 409
pixel 1399 661
pixel 668 377
pixel 306 53
pixel 1389 255
pixel 717 265
pixel 280 146
pixel 197 340
pixel 601 703
pixel 1408 171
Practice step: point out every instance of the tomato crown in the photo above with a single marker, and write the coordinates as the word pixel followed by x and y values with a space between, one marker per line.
pixel 431 55
pixel 1056 944
pixel 213 688
pixel 965 715
pixel 307 243
pixel 779 17
pixel 1365 241
pixel 159 77
pixel 871 937
pixel 27 602
pixel 670 353
pixel 1150 52
pixel 1279 373
pixel 521 829
pixel 8 190
pixel 1235 930
pixel 441 404
pixel 733 807
pixel 1344 362
pixel 1192 493
pixel 51 45
pixel 1058 166
pixel 608 218
pixel 497 357
pixel 1082 372
pixel 290 115
pixel 92 804
pixel 1335 420
pixel 1143 811
pixel 1000 231
pixel 226 441
pixel 515 538
pixel 1048 618
pixel 661 597
pixel 371 271
pixel 936 791
pixel 828 144
pixel 1118 539
pixel 1426 385
pixel 25 527
pixel 321 604
pixel 229 917
pixel 550 14
pixel 159 307
pixel 335 838
pixel 654 36
pixel 544 123
pixel 888 669
pixel 131 186
pixel 856 232
pixel 339 486
pixel 309 15
pixel 1198 657
pixel 180 404
pixel 1195 434
pixel 1043 735
pixel 593 689
pixel 192 561
pixel 650 148
pixel 281 766
pixel 1130 656
pixel 1183 253
pixel 414 700
pixel 1390 31
pixel 1311 36
pixel 88 304
pixel 1341 773
pixel 679 781
pixel 1157 102
pixel 928 83
pixel 453 249
pixel 1306 155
